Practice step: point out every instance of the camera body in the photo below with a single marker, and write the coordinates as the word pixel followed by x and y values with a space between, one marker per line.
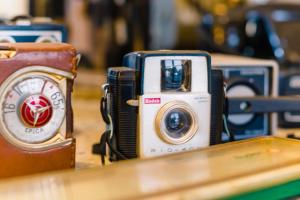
pixel 160 103
pixel 27 31
pixel 248 77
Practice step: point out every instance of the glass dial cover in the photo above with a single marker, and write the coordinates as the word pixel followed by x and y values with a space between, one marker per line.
pixel 33 108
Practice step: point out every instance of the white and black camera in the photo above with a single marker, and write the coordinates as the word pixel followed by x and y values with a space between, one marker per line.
pixel 162 102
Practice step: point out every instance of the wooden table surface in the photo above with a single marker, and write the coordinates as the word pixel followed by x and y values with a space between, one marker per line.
pixel 213 173
pixel 88 124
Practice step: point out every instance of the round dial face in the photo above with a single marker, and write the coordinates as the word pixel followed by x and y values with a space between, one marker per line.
pixel 33 108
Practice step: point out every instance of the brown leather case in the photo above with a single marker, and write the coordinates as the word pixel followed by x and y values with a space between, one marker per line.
pixel 16 161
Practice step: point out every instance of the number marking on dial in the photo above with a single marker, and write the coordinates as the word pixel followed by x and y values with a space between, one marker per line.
pixel 18 90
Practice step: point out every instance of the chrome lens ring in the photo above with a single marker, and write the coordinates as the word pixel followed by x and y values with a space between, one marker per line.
pixel 176 122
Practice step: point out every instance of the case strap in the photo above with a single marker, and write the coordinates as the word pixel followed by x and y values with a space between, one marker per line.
pixel 103 104
pixel 106 137
pixel 225 116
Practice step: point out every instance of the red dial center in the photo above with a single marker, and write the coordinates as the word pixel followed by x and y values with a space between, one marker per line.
pixel 36 111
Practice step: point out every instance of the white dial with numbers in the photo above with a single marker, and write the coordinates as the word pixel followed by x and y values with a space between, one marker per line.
pixel 33 108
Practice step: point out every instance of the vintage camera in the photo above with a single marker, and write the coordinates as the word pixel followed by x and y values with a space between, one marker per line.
pixel 160 102
pixel 24 29
pixel 36 121
pixel 249 78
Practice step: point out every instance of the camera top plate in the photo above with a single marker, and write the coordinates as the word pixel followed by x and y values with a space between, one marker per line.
pixel 140 60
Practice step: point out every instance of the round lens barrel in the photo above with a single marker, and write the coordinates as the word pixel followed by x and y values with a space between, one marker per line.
pixel 177 123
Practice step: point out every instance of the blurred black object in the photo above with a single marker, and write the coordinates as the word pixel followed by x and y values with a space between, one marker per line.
pixel 126 21
pixel 266 31
pixel 47 8
pixel 99 11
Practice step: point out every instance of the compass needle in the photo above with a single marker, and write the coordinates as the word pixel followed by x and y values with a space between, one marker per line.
pixel 32 107
pixel 43 87
pixel 43 109
pixel 36 118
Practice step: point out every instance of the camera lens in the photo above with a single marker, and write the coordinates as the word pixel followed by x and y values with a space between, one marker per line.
pixel 178 123
pixel 45 39
pixel 7 39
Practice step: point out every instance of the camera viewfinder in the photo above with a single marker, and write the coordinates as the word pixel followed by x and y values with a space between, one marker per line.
pixel 176 75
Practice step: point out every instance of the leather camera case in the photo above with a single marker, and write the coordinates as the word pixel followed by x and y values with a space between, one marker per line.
pixel 17 161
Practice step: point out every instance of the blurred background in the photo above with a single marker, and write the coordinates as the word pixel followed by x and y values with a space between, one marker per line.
pixel 104 30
